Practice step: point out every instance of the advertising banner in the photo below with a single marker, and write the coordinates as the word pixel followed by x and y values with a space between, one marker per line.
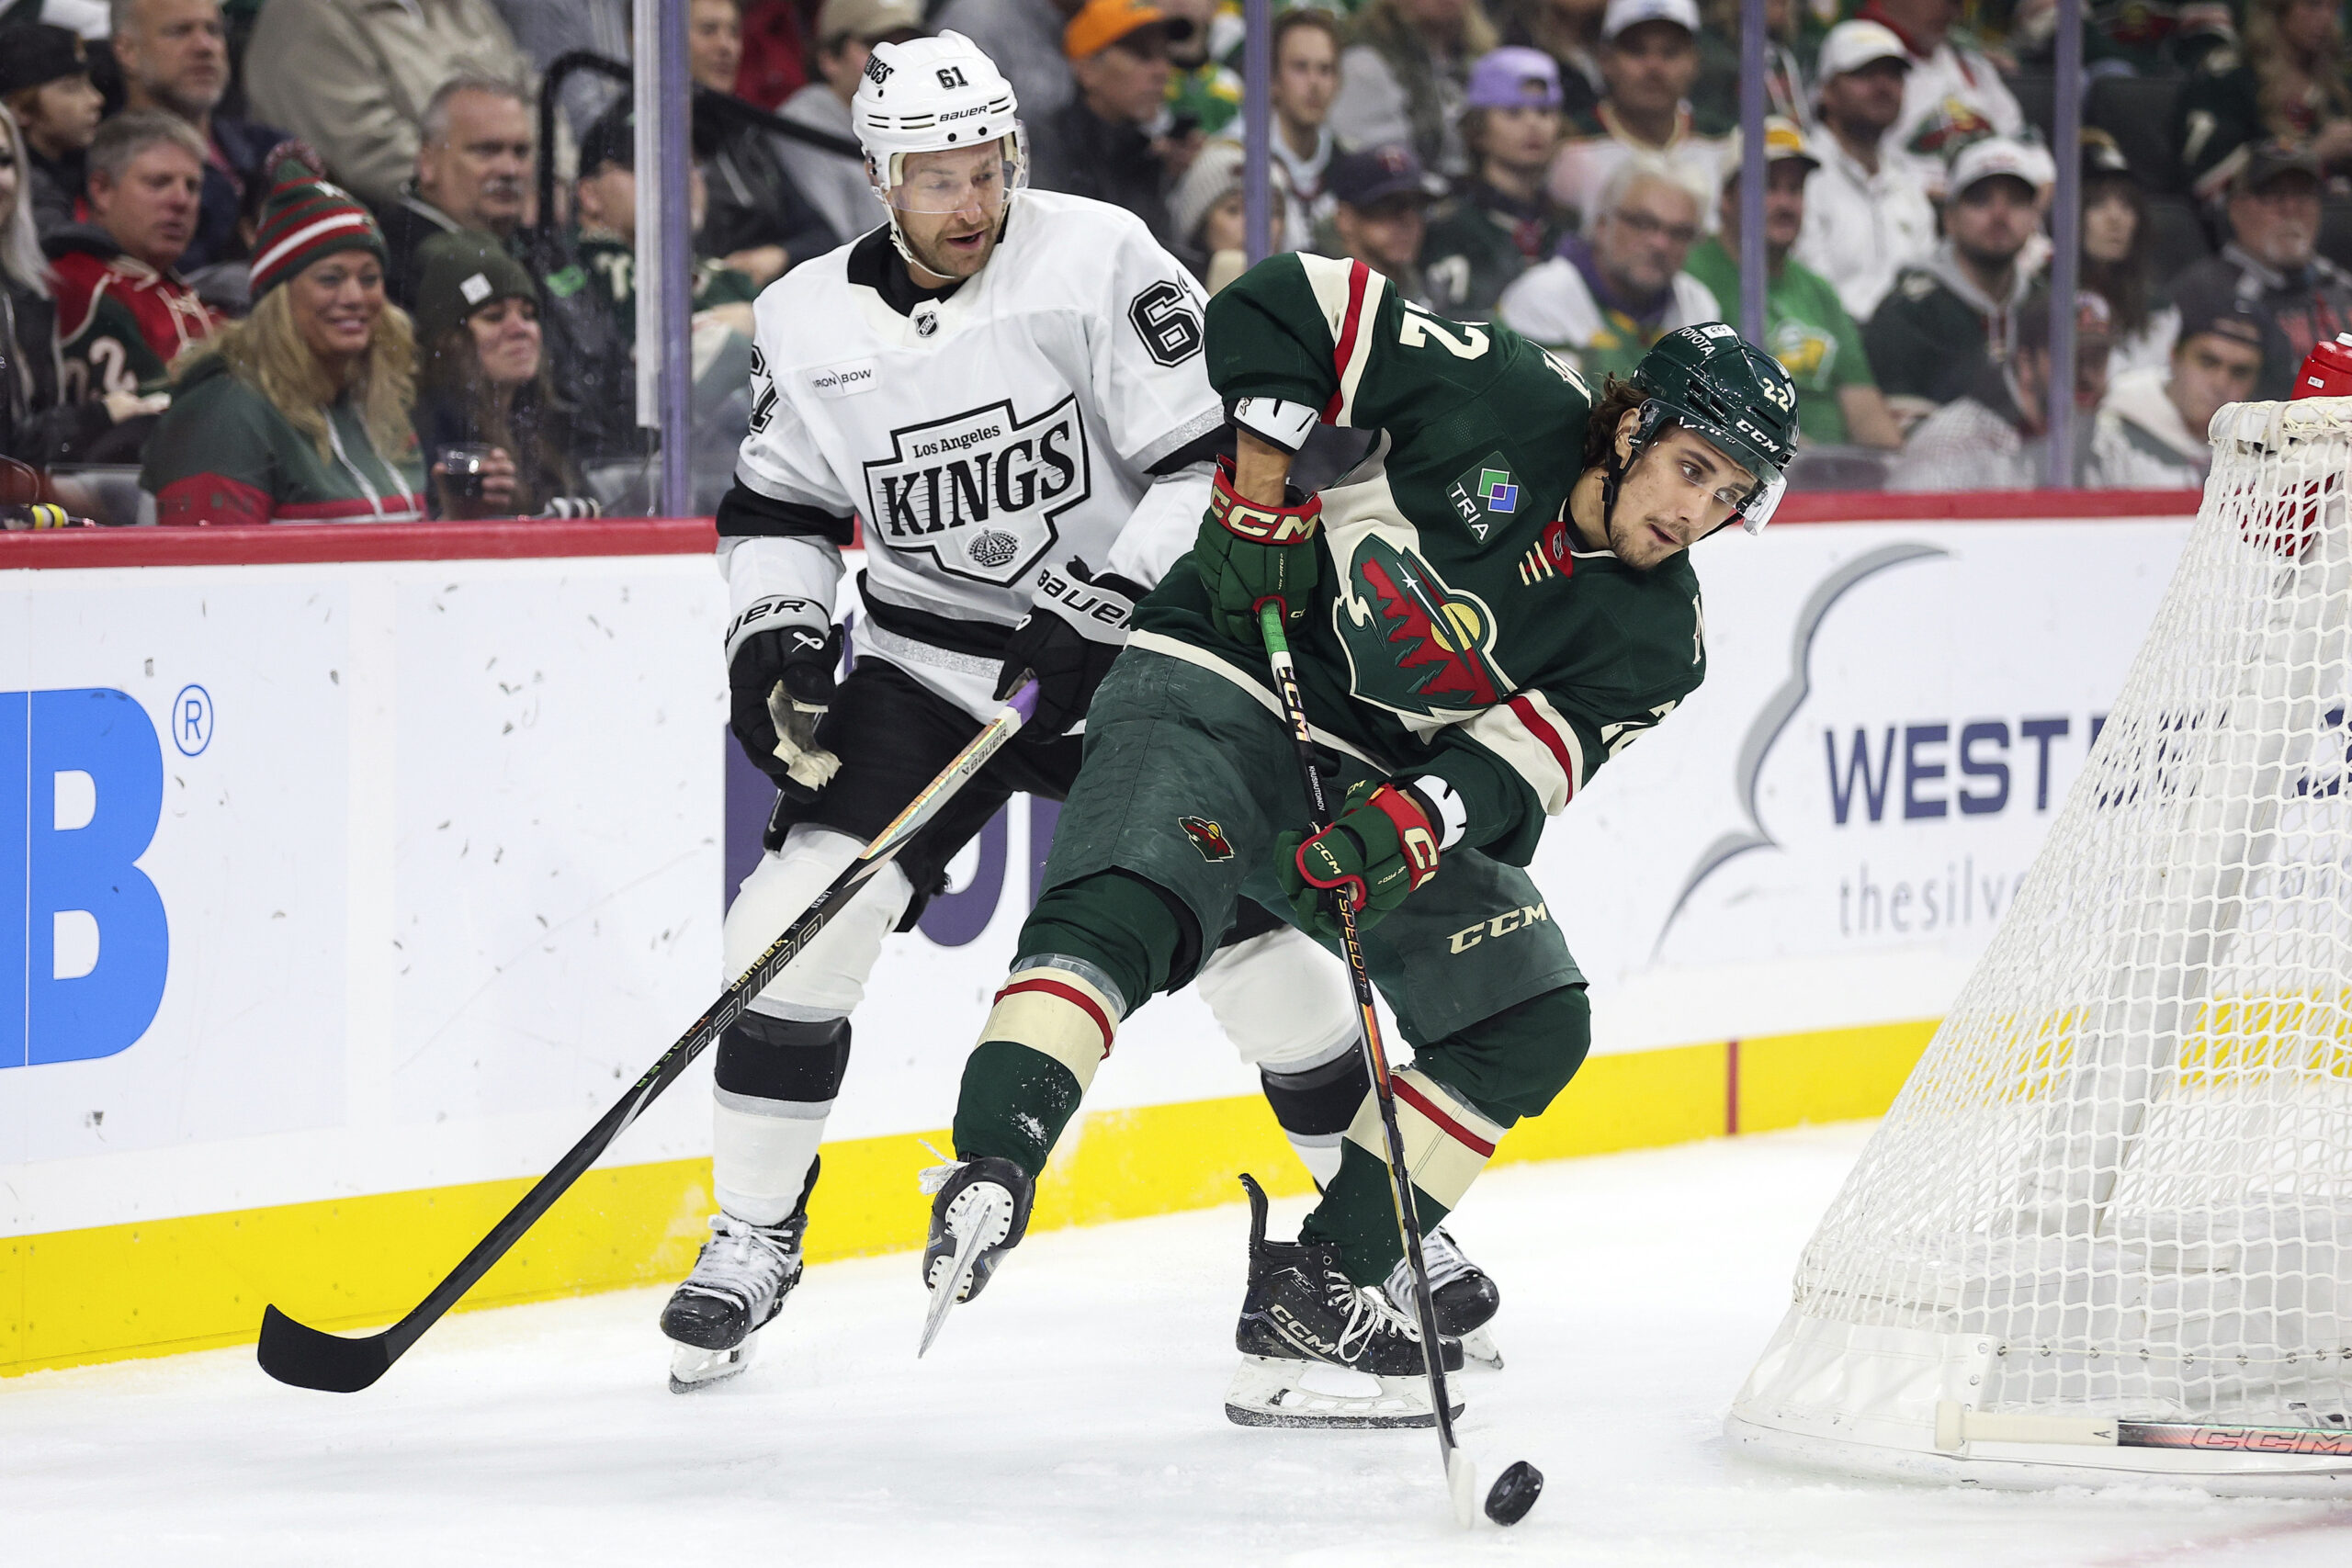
pixel 346 878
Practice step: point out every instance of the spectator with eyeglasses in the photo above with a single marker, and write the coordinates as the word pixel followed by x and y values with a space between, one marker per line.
pixel 1606 297
pixel 1952 315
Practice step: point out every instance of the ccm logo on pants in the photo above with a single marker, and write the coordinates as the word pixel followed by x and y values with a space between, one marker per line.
pixel 1509 920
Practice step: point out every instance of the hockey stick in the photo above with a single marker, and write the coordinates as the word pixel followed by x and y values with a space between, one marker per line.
pixel 1957 1426
pixel 1461 1475
pixel 294 1353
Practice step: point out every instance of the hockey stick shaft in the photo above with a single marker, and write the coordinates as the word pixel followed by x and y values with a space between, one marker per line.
pixel 294 1353
pixel 1400 1183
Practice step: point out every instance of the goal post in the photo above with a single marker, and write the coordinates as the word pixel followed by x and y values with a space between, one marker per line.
pixel 2106 1230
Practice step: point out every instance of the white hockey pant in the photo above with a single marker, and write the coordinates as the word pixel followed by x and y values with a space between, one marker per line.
pixel 1287 1007
pixel 780 1065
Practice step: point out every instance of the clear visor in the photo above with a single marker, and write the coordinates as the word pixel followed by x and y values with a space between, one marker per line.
pixel 972 179
pixel 1758 508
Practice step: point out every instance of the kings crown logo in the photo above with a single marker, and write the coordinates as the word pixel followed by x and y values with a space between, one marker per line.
pixel 979 491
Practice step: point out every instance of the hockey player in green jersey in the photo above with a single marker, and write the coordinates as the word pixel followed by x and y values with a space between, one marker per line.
pixel 1493 603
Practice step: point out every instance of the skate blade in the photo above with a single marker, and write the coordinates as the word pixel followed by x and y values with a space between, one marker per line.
pixel 947 1288
pixel 1478 1346
pixel 1268 1391
pixel 694 1369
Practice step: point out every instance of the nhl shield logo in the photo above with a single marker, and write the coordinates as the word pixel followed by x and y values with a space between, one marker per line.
pixel 926 321
pixel 1207 838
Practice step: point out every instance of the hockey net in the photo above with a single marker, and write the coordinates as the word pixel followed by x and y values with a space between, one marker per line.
pixel 2107 1226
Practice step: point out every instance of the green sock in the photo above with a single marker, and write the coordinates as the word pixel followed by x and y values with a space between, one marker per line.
pixel 1359 1213
pixel 1016 1101
pixel 1014 1104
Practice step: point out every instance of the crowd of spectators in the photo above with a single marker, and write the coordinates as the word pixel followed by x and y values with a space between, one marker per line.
pixel 287 258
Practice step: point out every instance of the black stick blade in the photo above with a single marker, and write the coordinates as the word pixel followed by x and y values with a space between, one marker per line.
pixel 295 1354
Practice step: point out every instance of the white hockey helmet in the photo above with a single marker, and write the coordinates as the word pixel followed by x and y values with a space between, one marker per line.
pixel 932 95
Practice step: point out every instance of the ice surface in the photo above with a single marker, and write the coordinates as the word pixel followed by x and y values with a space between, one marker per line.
pixel 1071 1414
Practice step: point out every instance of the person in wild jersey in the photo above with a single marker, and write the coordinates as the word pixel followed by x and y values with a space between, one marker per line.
pixel 1008 386
pixel 1494 602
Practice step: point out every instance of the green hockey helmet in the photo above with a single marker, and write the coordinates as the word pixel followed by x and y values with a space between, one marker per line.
pixel 1717 385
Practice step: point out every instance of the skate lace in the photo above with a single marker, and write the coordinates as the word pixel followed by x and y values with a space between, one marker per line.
pixel 742 1259
pixel 1369 1313
pixel 935 1176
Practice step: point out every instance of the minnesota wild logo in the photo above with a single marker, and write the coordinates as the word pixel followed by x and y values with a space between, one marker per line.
pixel 1207 838
pixel 1484 494
pixel 1414 644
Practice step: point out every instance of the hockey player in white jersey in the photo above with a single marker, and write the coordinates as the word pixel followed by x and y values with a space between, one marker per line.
pixel 1008 386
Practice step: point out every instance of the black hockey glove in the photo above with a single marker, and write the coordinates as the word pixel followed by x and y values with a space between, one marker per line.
pixel 1076 625
pixel 779 685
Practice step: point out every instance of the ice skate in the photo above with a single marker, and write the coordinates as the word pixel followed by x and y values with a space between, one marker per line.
pixel 738 1283
pixel 1318 1351
pixel 979 1211
pixel 1465 1296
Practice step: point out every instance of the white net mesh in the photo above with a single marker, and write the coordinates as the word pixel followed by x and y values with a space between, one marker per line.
pixel 2124 1166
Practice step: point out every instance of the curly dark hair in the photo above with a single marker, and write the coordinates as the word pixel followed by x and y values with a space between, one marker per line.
pixel 1618 396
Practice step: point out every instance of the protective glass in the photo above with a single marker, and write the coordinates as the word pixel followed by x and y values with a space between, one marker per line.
pixel 1760 507
pixel 958 180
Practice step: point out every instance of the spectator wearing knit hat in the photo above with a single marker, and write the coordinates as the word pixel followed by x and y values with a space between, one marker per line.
pixel 483 382
pixel 1501 220
pixel 1210 228
pixel 45 82
pixel 299 413
pixel 124 313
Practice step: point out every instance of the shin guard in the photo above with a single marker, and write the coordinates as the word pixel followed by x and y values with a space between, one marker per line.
pixel 772 1090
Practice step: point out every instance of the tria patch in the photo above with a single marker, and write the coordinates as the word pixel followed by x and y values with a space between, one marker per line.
pixel 1483 493
pixel 1207 838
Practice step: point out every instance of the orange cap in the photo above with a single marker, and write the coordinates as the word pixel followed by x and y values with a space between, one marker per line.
pixel 1101 23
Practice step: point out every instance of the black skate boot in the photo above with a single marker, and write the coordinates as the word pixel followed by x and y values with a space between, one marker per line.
pixel 1464 1295
pixel 1319 1350
pixel 979 1211
pixel 738 1283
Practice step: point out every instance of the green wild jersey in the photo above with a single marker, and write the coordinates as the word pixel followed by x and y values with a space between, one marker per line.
pixel 1458 630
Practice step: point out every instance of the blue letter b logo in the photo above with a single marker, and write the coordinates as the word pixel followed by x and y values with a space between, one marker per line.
pixel 81 790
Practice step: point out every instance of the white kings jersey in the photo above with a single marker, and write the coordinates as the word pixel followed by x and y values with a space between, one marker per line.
pixel 1018 422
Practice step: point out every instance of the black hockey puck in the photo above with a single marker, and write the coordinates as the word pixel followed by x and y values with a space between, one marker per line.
pixel 1513 1493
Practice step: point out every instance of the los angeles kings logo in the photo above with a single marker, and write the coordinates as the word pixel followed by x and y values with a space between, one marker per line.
pixel 979 491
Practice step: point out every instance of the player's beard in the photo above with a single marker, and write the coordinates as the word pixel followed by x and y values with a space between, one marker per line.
pixel 939 261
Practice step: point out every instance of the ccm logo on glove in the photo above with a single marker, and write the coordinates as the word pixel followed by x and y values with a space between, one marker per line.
pixel 1383 846
pixel 1264 525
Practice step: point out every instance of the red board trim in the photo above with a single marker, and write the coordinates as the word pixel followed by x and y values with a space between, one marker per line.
pixel 306 544
pixel 1982 506
pixel 286 544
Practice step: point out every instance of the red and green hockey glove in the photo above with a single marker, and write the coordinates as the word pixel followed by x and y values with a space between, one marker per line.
pixel 1248 553
pixel 1384 845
